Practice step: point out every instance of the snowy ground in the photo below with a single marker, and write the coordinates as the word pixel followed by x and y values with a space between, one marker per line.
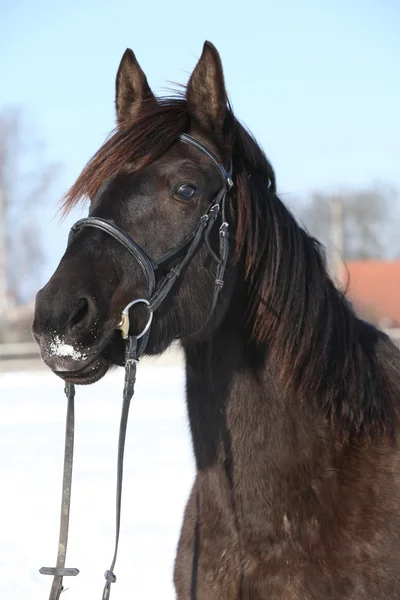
pixel 157 480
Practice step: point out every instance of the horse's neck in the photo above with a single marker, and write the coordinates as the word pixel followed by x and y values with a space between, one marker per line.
pixel 244 426
pixel 269 464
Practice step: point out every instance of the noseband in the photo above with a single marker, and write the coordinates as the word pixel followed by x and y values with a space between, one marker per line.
pixel 136 344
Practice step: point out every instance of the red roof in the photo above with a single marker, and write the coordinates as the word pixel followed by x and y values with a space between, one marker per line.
pixel 373 286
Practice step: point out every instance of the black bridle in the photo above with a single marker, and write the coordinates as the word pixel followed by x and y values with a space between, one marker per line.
pixel 158 293
pixel 136 344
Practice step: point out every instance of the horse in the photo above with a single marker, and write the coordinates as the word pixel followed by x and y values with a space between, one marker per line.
pixel 292 399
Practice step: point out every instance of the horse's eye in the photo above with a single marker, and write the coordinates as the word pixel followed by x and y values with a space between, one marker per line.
pixel 186 191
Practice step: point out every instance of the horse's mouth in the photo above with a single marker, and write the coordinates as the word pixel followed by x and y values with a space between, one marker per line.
pixel 88 374
pixel 111 356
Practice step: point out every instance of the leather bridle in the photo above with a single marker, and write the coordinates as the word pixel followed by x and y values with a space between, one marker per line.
pixel 157 294
pixel 136 343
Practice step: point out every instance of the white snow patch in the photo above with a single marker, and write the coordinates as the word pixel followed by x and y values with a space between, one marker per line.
pixel 157 480
pixel 59 348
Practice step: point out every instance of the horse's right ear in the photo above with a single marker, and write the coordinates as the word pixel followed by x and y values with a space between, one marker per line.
pixel 131 88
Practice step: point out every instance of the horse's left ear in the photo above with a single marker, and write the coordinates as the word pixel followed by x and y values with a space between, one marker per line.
pixel 206 94
pixel 131 88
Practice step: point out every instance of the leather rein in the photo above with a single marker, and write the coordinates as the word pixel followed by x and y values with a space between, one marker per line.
pixel 136 344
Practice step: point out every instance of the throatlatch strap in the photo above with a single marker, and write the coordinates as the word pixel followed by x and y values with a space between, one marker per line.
pixel 130 377
pixel 60 571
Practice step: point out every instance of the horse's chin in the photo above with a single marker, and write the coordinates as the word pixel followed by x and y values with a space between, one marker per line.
pixel 98 360
pixel 88 374
pixel 111 356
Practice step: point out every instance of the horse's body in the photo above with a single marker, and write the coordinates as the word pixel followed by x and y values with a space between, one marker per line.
pixel 293 401
pixel 284 510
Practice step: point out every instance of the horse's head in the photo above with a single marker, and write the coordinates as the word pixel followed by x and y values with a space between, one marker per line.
pixel 155 188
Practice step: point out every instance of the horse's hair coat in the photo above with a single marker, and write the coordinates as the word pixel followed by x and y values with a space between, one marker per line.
pixel 293 401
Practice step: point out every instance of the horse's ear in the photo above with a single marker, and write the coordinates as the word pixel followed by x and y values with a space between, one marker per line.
pixel 131 88
pixel 206 94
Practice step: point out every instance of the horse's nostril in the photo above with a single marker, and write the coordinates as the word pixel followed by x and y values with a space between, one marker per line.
pixel 80 313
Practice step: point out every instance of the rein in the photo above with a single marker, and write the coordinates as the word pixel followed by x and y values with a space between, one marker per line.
pixel 136 344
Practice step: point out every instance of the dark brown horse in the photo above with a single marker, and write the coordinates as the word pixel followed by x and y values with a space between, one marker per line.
pixel 293 401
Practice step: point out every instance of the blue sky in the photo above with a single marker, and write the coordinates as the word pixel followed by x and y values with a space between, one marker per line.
pixel 316 81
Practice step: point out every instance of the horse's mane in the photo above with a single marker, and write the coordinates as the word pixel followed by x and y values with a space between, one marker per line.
pixel 324 352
